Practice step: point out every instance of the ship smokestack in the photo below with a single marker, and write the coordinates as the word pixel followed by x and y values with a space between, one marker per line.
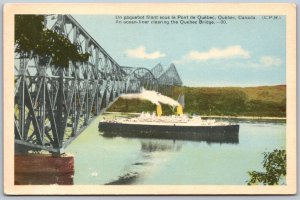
pixel 158 110
pixel 179 110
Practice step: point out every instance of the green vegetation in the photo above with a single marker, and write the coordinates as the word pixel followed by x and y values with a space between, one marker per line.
pixel 274 164
pixel 264 101
pixel 33 39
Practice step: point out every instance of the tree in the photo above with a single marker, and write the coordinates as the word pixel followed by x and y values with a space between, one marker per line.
pixel 275 165
pixel 33 39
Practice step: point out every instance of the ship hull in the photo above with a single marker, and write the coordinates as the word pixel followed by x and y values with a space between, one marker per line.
pixel 220 134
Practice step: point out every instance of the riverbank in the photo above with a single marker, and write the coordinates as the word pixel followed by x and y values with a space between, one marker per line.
pixel 245 117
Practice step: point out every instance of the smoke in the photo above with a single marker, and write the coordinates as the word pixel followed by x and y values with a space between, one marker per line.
pixel 152 96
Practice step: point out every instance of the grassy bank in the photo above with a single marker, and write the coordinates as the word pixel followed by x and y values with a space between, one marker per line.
pixel 264 101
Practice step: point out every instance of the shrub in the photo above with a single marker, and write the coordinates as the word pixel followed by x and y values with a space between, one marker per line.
pixel 274 164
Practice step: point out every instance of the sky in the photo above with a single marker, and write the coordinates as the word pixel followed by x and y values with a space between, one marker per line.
pixel 239 53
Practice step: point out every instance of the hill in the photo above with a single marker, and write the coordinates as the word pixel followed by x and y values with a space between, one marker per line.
pixel 269 101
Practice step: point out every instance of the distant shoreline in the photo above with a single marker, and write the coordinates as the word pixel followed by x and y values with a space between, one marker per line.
pixel 244 117
pixel 218 116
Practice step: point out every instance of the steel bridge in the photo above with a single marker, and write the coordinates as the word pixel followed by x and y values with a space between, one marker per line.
pixel 54 105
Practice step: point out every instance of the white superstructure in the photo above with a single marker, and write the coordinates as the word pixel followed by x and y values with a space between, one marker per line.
pixel 183 120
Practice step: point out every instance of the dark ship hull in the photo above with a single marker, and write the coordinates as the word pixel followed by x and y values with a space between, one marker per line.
pixel 219 133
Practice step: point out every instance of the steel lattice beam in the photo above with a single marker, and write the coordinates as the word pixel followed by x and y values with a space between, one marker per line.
pixel 170 77
pixel 54 105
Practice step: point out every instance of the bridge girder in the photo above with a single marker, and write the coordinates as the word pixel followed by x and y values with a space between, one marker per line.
pixel 54 105
pixel 170 77
pixel 142 78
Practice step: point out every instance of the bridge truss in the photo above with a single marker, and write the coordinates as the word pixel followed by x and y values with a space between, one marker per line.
pixel 54 105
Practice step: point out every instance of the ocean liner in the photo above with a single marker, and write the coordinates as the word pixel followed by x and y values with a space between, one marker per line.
pixel 176 127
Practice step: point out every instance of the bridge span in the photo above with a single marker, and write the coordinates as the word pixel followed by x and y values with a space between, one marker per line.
pixel 54 105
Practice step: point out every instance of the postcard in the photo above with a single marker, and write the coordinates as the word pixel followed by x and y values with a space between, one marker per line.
pixel 149 98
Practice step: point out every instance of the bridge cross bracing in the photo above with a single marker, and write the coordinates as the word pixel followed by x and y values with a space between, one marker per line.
pixel 54 105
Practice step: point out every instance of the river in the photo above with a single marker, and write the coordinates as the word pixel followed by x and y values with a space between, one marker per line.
pixel 115 160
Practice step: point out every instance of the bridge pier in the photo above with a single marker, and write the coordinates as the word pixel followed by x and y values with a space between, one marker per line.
pixel 44 169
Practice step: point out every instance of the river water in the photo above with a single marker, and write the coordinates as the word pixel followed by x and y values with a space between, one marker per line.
pixel 115 160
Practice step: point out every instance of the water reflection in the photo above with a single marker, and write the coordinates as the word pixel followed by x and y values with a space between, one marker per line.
pixel 128 178
pixel 155 148
pixel 153 153
pixel 160 145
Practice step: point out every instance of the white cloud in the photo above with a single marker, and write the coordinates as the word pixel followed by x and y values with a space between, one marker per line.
pixel 265 62
pixel 235 51
pixel 269 61
pixel 140 52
